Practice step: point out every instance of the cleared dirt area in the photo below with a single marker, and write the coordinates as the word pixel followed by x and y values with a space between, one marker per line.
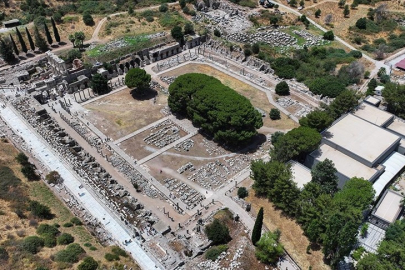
pixel 119 114
pixel 13 229
pixel 292 236
pixel 256 97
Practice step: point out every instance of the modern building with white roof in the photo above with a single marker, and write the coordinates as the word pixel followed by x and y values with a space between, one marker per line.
pixel 301 174
pixel 368 143
pixel 387 210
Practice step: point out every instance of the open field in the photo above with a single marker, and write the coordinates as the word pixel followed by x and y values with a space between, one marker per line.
pixel 14 229
pixel 119 114
pixel 256 97
pixel 292 237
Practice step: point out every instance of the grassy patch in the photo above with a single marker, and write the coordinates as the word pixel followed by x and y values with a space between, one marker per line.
pixel 171 19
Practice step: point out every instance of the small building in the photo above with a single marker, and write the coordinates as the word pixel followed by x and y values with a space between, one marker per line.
pixel 165 51
pixel 372 101
pixel 192 41
pixel 401 64
pixel 387 210
pixel 373 115
pixel 11 23
pixel 301 174
pixel 378 90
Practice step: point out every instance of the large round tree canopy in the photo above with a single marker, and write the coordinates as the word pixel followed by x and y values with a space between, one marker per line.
pixel 215 108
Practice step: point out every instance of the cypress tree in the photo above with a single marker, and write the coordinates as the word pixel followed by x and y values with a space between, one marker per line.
pixel 32 45
pixel 257 229
pixel 14 45
pixel 48 34
pixel 6 51
pixel 22 42
pixel 55 30
pixel 40 41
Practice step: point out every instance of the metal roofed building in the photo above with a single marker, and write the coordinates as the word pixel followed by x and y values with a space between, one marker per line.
pixel 360 140
pixel 387 210
pixel 301 174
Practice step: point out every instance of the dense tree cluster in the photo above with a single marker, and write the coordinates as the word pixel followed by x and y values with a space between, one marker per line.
pixel 317 119
pixel 269 249
pixel 217 232
pixel 394 95
pixel 137 78
pixel 215 108
pixel 99 84
pixel 327 216
pixel 316 68
pixel 295 144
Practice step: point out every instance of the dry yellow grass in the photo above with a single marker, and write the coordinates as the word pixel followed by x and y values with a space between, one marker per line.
pixel 292 236
pixel 14 229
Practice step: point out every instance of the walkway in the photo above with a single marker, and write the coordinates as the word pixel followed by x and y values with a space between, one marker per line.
pixel 72 183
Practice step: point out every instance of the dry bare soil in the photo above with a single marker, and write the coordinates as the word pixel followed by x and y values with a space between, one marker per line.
pixel 292 236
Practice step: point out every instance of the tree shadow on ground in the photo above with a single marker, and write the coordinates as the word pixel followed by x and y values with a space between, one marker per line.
pixel 143 94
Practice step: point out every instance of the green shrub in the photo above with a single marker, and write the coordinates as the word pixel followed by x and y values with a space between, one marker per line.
pixel 32 244
pixel 357 253
pixel 163 8
pixel 65 239
pixel 47 229
pixel 282 89
pixel 242 192
pixel 111 257
pixel 70 254
pixel 68 224
pixel 88 264
pixel 217 232
pixel 39 210
pixel 76 221
pixel 329 35
pixel 213 253
pixel 119 251
pixel 3 254
pixel 49 240
pixel 356 54
pixel 93 248
pixel 217 33
pixel 275 114
pixel 87 244
pixel 149 19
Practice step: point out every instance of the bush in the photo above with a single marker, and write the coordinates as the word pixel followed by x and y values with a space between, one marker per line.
pixel 217 232
pixel 47 229
pixel 119 251
pixel 88 19
pixel 111 257
pixel 65 239
pixel 76 221
pixel 72 55
pixel 282 89
pixel 275 114
pixel 93 248
pixel 329 35
pixel 70 254
pixel 163 8
pixel 356 54
pixel 39 210
pixel 213 253
pixel 68 225
pixel 88 264
pixel 357 253
pixel 255 48
pixel 242 192
pixel 32 244
pixel 149 18
pixel 361 23
pixel 3 254
pixel 49 240
pixel 217 33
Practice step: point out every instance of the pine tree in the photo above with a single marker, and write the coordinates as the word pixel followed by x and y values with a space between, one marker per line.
pixel 6 51
pixel 32 45
pixel 257 229
pixel 21 40
pixel 55 30
pixel 40 41
pixel 48 34
pixel 14 45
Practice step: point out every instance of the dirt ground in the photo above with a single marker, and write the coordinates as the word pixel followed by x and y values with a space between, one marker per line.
pixel 256 97
pixel 292 236
pixel 119 114
pixel 14 229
